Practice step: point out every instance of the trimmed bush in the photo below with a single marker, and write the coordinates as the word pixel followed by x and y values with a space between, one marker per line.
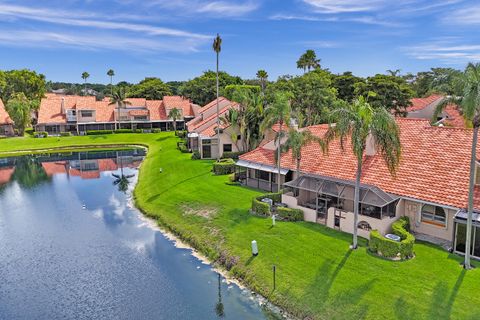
pixel 262 208
pixel 181 134
pixel 195 155
pixel 156 130
pixel 232 155
pixel 65 134
pixel 290 214
pixel 392 249
pixel 41 134
pixel 98 132
pixel 224 166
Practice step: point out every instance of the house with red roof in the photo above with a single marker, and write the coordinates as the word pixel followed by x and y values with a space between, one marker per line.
pixel 6 123
pixel 424 108
pixel 430 185
pixel 202 130
pixel 78 114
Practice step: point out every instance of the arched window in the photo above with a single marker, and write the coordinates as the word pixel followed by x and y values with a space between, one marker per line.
pixel 434 215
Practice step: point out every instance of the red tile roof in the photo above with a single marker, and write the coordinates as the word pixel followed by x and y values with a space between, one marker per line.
pixel 421 103
pixel 50 110
pixel 207 124
pixel 52 168
pixel 434 166
pixel 6 174
pixel 4 116
pixel 454 118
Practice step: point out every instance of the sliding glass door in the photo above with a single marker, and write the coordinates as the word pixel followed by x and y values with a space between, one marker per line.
pixel 461 236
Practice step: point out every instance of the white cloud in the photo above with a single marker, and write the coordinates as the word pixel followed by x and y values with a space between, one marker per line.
pixel 344 6
pixel 356 19
pixel 446 51
pixel 92 41
pixel 227 8
pixel 83 19
pixel 214 9
pixel 465 16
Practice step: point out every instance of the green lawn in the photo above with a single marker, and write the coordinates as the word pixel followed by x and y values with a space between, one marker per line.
pixel 317 275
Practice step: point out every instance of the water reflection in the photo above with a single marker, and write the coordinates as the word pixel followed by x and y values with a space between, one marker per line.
pixel 72 247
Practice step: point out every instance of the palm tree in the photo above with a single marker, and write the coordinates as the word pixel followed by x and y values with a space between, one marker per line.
pixel 250 115
pixel 119 99
pixel 111 73
pixel 217 47
pixel 469 104
pixel 219 308
pixel 85 76
pixel 296 140
pixel 360 122
pixel 121 180
pixel 233 118
pixel 308 61
pixel 174 114
pixel 278 112
pixel 394 73
pixel 262 76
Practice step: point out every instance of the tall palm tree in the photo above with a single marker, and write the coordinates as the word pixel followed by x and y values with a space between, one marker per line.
pixel 250 115
pixel 85 76
pixel 296 140
pixel 119 99
pixel 111 73
pixel 308 61
pixel 262 76
pixel 217 47
pixel 469 104
pixel 394 73
pixel 278 112
pixel 174 114
pixel 359 122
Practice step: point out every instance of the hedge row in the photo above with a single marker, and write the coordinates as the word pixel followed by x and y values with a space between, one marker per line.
pixel 99 132
pixel 232 155
pixel 393 249
pixel 224 166
pixel 65 134
pixel 262 208
pixel 181 134
pixel 290 214
pixel 41 134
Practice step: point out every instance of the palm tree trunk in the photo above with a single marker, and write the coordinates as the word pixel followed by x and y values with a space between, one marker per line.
pixel 356 203
pixel 117 124
pixel 298 166
pixel 111 86
pixel 470 198
pixel 279 154
pixel 218 118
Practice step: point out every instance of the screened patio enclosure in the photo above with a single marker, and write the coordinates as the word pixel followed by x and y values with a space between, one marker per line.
pixel 321 193
pixel 461 233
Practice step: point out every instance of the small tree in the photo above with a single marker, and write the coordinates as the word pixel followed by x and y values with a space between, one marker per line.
pixel 174 114
pixel 278 112
pixel 119 99
pixel 296 140
pixel 85 76
pixel 262 76
pixel 111 73
pixel 358 122
pixel 19 109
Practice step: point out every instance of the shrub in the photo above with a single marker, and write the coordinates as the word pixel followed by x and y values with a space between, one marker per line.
pixel 156 130
pixel 393 249
pixel 181 134
pixel 65 134
pixel 98 132
pixel 263 208
pixel 232 155
pixel 41 134
pixel 224 166
pixel 195 155
pixel 290 214
pixel 260 208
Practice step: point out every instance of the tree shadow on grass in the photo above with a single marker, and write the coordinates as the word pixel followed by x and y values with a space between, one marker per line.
pixel 96 137
pixel 164 138
pixel 153 198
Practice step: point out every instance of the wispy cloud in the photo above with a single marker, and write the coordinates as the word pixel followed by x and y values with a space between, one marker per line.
pixel 215 9
pixel 356 19
pixel 80 41
pixel 84 19
pixel 447 51
pixel 344 6
pixel 464 16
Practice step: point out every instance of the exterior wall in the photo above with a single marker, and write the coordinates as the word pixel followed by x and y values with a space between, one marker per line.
pixel 413 209
pixel 81 118
pixel 7 130
pixel 226 138
pixel 309 215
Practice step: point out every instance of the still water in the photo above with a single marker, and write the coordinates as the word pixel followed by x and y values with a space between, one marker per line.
pixel 72 247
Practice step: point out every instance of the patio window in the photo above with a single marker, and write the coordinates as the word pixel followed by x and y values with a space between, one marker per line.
pixel 87 114
pixel 434 215
pixel 262 175
pixel 227 147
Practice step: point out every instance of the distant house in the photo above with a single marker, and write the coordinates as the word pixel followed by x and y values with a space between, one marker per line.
pixel 6 123
pixel 78 114
pixel 424 108
pixel 202 131
pixel 430 186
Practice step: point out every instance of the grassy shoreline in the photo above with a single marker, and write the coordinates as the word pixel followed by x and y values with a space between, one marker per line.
pixel 317 275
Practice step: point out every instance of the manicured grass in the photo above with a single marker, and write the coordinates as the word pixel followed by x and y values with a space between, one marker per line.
pixel 317 275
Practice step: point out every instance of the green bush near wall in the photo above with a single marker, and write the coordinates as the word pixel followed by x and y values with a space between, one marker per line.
pixel 98 132
pixel 65 134
pixel 181 134
pixel 41 134
pixel 224 166
pixel 392 249
pixel 290 214
pixel 232 155
pixel 262 208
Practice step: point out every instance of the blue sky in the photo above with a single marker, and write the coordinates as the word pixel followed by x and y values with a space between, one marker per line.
pixel 172 39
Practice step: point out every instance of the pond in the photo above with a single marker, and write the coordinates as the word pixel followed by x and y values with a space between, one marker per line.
pixel 73 247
